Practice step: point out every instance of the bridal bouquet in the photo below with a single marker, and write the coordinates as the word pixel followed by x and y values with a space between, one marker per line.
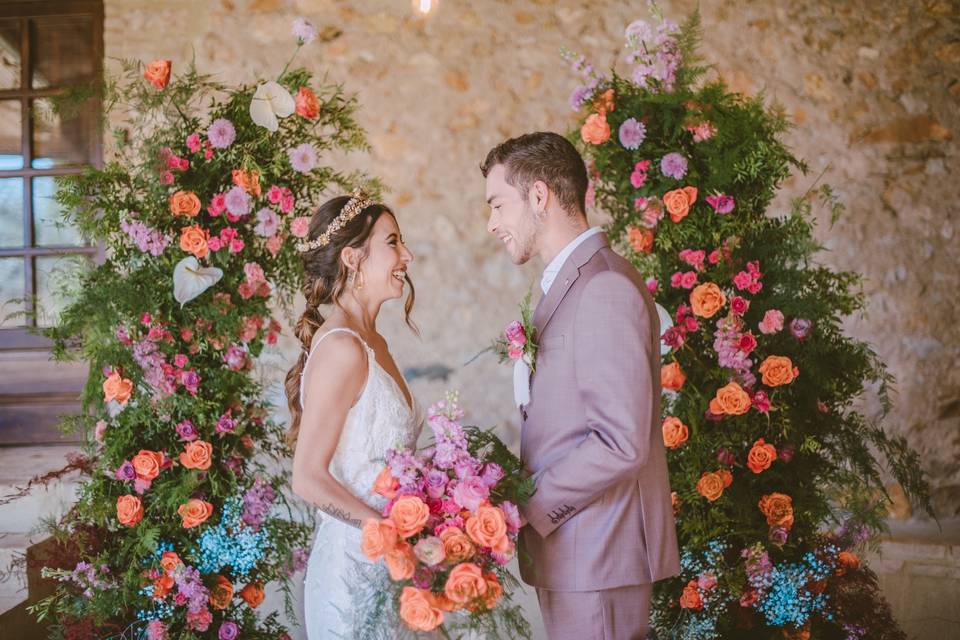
pixel 449 529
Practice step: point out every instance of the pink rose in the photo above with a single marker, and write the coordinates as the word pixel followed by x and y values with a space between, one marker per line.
pixel 430 551
pixel 743 280
pixel 739 305
pixel 688 280
pixel 714 257
pixel 515 334
pixel 470 492
pixel 300 227
pixel 236 245
pixel 772 322
pixel 286 203
pixel 761 401
pixel 492 473
pixel 747 342
pixel 217 205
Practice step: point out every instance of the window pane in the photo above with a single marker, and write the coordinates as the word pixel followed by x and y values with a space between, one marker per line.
pixel 9 54
pixel 61 140
pixel 61 51
pixel 11 292
pixel 10 134
pixel 56 279
pixel 49 227
pixel 11 212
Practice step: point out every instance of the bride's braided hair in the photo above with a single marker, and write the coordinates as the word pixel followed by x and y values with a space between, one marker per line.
pixel 325 279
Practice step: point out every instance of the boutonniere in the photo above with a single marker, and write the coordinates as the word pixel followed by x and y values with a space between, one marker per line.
pixel 519 341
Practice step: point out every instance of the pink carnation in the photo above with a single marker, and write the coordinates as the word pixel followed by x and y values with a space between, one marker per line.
pixel 772 322
pixel 300 227
pixel 193 142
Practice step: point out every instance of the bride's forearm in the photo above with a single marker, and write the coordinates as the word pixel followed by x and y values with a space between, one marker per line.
pixel 334 500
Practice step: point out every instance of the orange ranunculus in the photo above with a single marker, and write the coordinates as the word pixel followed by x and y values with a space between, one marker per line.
pixel 690 598
pixel 761 456
pixel 847 560
pixel 675 433
pixel 249 181
pixel 400 561
pixel 672 376
pixel 777 370
pixel 418 609
pixel 410 515
pixel 731 399
pixel 169 561
pixel 679 201
pixel 726 476
pixel 710 485
pixel 221 593
pixel 641 240
pixel 595 130
pixel 456 545
pixel 147 464
pixel 306 104
pixel 377 537
pixel 488 528
pixel 706 299
pixel 197 455
pixel 129 510
pixel 386 485
pixel 778 508
pixel 603 103
pixel 162 586
pixel 117 388
pixel 252 594
pixel 185 203
pixel 675 502
pixel 194 512
pixel 193 239
pixel 465 583
pixel 157 73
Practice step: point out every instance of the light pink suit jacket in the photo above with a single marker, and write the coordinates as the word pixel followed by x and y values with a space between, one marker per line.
pixel 601 517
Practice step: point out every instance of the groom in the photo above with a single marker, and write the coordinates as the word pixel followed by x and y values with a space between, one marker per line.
pixel 601 527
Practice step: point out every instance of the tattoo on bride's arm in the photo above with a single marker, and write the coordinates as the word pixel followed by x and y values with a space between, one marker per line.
pixel 340 514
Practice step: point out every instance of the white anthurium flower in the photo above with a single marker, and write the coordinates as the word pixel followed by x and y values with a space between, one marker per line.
pixel 665 323
pixel 190 279
pixel 271 101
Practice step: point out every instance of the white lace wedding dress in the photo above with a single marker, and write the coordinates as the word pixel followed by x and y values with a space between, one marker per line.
pixel 380 420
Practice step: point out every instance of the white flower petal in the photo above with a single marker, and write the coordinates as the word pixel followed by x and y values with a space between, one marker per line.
pixel 262 113
pixel 190 279
pixel 280 99
pixel 665 323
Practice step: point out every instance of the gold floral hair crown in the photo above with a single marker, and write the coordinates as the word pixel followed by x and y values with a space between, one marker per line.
pixel 357 203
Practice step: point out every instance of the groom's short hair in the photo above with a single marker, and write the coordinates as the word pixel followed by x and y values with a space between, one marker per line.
pixel 544 156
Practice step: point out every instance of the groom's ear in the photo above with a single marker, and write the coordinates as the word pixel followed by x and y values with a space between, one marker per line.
pixel 539 197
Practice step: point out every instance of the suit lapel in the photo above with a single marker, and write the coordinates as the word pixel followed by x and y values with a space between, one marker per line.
pixel 568 274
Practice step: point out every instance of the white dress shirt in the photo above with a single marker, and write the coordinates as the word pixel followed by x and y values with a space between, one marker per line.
pixel 550 273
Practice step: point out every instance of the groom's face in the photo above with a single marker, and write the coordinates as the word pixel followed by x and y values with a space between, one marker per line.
pixel 512 219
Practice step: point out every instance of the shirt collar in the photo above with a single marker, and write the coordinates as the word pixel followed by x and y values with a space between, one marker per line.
pixel 550 273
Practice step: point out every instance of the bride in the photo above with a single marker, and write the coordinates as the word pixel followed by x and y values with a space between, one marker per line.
pixel 348 401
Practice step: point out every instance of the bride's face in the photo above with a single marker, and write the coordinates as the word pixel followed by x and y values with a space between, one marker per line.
pixel 511 218
pixel 385 267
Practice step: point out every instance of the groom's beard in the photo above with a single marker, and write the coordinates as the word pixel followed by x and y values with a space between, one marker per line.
pixel 525 246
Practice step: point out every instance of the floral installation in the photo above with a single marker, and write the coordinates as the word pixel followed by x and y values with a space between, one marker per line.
pixel 181 522
pixel 771 464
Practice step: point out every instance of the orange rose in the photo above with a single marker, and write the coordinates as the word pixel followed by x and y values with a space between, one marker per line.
pixel 249 181
pixel 185 203
pixel 777 370
pixel 641 240
pixel 603 103
pixel 778 508
pixel 418 609
pixel 675 433
pixel 386 485
pixel 306 104
pixel 847 561
pixel 706 299
pixel 410 514
pixel 465 583
pixel 377 537
pixel 221 593
pixel 710 485
pixel 117 388
pixel 197 455
pixel 672 376
pixel 494 590
pixel 147 464
pixel 488 528
pixel 157 73
pixel 796 634
pixel 194 512
pixel 193 239
pixel 400 561
pixel 731 399
pixel 761 456
pixel 129 510
pixel 690 598
pixel 456 545
pixel 252 594
pixel 169 561
pixel 162 586
pixel 679 201
pixel 595 130
pixel 726 476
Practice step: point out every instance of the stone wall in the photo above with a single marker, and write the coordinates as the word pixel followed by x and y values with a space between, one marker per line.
pixel 873 87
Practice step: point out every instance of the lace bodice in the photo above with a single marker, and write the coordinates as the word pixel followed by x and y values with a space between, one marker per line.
pixel 380 420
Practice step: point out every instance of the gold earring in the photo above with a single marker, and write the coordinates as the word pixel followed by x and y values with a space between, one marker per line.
pixel 358 280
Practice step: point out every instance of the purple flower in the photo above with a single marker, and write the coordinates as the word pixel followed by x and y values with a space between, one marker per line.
pixel 579 96
pixel 632 133
pixel 235 357
pixel 303 157
pixel 267 223
pixel 237 201
pixel 673 165
pixel 191 381
pixel 226 423
pixel 304 30
pixel 800 328
pixel 257 502
pixel 492 473
pixel 298 561
pixel 221 133
pixel 125 471
pixel 470 492
pixel 787 452
pixel 725 456
pixel 187 431
pixel 779 535
pixel 721 203
pixel 436 483
pixel 228 630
